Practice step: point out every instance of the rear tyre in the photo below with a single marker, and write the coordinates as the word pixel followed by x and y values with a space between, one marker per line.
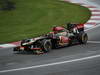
pixel 46 45
pixel 16 49
pixel 83 37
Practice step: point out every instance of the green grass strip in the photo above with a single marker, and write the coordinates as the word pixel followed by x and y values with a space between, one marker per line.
pixel 32 18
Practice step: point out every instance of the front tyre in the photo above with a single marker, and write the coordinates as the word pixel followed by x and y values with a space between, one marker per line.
pixel 46 45
pixel 16 49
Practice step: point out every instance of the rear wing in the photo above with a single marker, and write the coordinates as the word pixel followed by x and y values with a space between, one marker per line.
pixel 80 27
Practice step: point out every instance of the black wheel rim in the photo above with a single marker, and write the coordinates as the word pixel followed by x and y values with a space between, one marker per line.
pixel 47 46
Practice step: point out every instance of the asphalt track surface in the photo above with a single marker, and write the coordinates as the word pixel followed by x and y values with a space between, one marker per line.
pixel 74 55
pixel 73 60
pixel 95 1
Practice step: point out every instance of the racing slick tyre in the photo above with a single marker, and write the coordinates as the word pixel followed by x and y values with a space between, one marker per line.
pixel 46 45
pixel 83 37
pixel 16 49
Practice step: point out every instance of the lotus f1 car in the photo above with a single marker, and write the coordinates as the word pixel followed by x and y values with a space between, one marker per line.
pixel 59 37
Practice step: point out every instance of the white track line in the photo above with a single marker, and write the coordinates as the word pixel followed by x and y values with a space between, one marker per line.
pixel 92 27
pixel 95 16
pixel 7 45
pixel 51 64
pixel 98 42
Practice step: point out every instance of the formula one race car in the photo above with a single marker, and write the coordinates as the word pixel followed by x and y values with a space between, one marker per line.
pixel 59 37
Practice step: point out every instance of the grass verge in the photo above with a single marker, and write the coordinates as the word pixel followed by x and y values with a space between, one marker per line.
pixel 32 18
